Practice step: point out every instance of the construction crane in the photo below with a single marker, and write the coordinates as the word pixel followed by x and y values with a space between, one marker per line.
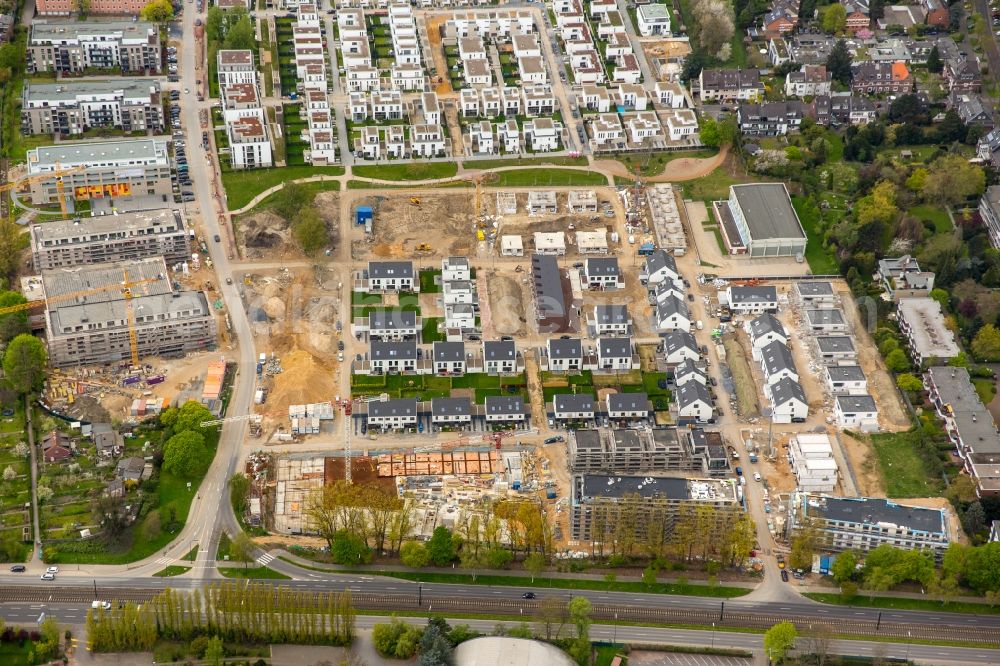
pixel 231 419
pixel 133 335
pixel 71 295
pixel 58 174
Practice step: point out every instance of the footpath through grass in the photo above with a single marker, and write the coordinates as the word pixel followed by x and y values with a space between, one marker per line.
pixel 525 161
pixel 896 603
pixel 686 589
pixel 253 572
pixel 242 186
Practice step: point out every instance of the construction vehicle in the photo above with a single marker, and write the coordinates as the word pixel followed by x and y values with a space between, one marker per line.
pixel 423 247
pixel 415 201
pixel 58 174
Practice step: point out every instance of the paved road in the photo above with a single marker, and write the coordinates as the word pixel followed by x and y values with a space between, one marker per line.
pixel 75 614
pixel 989 42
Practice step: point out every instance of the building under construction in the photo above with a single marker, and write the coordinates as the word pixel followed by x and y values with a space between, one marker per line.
pixel 87 317
pixel 691 450
pixel 436 464
pixel 601 505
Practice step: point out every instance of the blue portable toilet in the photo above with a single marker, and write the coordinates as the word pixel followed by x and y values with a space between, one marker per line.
pixel 363 215
pixel 620 108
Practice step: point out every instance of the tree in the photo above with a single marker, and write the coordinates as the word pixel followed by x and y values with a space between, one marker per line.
pixel 435 649
pixel 15 323
pixel 190 416
pixel 897 361
pixel 498 558
pixel 951 179
pixel 986 344
pixel 844 566
pixel 413 554
pixel 9 473
pixel 214 651
pixel 934 63
pixel 309 230
pixel 579 609
pixel 834 19
pixel 803 548
pixel 396 639
pixel 534 564
pixel 239 488
pixel 441 546
pixel 649 575
pixel 240 36
pixel 715 133
pixel 157 11
pixel 350 548
pixel 185 454
pixel 551 617
pixel 838 63
pixel 877 580
pixel 290 199
pixel 779 640
pixel 909 382
pixel 241 548
pixel 24 364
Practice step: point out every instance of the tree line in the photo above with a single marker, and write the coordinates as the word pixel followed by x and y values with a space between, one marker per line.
pixel 254 612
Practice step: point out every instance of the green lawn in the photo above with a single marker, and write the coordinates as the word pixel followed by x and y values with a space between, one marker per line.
pixel 525 161
pixel 821 261
pixel 938 216
pixel 902 467
pixel 412 171
pixel 430 331
pixel 172 570
pixel 863 601
pixel 242 186
pixel 713 187
pixel 367 185
pixel 15 654
pixel 543 177
pixel 718 591
pixel 985 388
pixel 253 572
pixel 427 284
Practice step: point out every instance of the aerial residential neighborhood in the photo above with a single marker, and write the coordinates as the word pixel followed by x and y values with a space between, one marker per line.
pixel 561 332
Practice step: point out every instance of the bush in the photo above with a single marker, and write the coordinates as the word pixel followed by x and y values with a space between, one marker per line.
pixel 414 554
pixel 198 646
pixel 396 639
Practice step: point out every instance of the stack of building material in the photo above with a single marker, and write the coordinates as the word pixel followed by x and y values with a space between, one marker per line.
pixel 213 381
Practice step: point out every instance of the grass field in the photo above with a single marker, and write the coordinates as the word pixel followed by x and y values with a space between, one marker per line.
pixel 172 570
pixel 242 186
pixel 902 467
pixel 525 161
pixel 863 601
pixel 253 572
pixel 544 177
pixel 15 654
pixel 713 187
pixel 413 171
pixel 717 591
pixel 939 217
pixel 653 165
pixel 821 261
pixel 985 388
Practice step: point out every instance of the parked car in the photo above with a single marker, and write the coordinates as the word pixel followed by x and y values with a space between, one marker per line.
pixel 784 575
pixel 217 239
pixel 553 440
pixel 18 568
pixel 756 476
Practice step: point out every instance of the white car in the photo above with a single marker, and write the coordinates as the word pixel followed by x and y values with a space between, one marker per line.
pixel 187 91
pixel 756 476
pixel 48 576
pixel 52 570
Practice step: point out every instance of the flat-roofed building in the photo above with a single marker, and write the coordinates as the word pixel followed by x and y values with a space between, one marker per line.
pixel 71 47
pixel 95 328
pixel 101 169
pixel 71 108
pixel 811 459
pixel 865 523
pixel 846 379
pixel 111 238
pixel 758 220
pixel 815 294
pixel 928 338
pixel 836 348
pixel 826 320
pixel 856 412
pixel 601 504
pixel 235 66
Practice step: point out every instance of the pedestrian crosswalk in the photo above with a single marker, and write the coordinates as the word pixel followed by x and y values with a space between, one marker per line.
pixel 165 560
pixel 265 559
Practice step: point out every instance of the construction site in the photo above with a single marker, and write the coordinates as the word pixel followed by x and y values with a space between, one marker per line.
pixel 264 234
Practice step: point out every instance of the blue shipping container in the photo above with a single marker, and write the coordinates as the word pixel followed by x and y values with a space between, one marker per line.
pixel 363 215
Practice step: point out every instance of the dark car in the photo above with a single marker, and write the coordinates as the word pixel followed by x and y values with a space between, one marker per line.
pixel 340 346
pixel 18 568
pixel 784 575
pixel 553 440
pixel 217 239
pixel 739 471
pixel 691 297
pixel 528 595
pixel 661 383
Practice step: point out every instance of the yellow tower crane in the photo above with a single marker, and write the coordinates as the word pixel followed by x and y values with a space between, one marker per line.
pixel 58 174
pixel 126 286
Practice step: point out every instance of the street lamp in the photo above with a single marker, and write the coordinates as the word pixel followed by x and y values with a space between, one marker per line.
pixel 420 594
pixel 908 636
pixel 713 635
pixel 615 639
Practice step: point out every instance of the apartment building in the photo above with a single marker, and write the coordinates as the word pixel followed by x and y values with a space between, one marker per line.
pixel 928 337
pixel 111 238
pixel 120 169
pixel 94 7
pixel 235 66
pixel 72 107
pixel 72 47
pixel 865 523
pixel 249 142
pixel 729 85
pixel 95 329
pixel 600 505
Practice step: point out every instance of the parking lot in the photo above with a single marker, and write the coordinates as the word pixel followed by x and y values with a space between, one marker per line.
pixel 648 658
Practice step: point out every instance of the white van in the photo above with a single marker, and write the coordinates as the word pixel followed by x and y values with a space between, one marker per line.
pixel 106 605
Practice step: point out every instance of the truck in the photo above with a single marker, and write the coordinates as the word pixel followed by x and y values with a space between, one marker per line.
pixel 699 324
pixel 753 457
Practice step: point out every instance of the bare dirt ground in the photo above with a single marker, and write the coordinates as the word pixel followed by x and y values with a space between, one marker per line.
pixel 558 465
pixel 891 412
pixel 662 51
pixel 293 315
pixel 865 466
pixel 267 235
pixel 506 303
pixel 443 221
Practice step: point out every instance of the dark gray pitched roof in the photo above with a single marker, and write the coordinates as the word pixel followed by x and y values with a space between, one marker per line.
pixel 754 294
pixel 602 266
pixel 766 323
pixel 660 259
pixel 691 393
pixel 614 347
pixel 448 351
pixel 671 306
pixel 390 269
pixel 573 402
pixel 678 339
pixel 499 350
pixel 611 314
pixel 559 348
pixel 786 390
pixel 504 404
pixel 777 357
pixel 392 319
pixel 393 349
pixel 630 402
pixel 451 407
pixel 396 407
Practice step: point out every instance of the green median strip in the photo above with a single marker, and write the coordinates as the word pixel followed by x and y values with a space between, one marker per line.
pixel 904 603
pixel 253 572
pixel 172 570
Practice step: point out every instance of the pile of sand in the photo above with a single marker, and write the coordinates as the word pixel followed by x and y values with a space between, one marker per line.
pixel 303 379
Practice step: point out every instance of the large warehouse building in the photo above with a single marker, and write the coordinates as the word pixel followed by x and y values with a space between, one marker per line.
pixel 758 220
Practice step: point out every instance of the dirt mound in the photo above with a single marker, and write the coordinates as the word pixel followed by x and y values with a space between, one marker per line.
pixel 275 308
pixel 506 306
pixel 264 230
pixel 303 378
